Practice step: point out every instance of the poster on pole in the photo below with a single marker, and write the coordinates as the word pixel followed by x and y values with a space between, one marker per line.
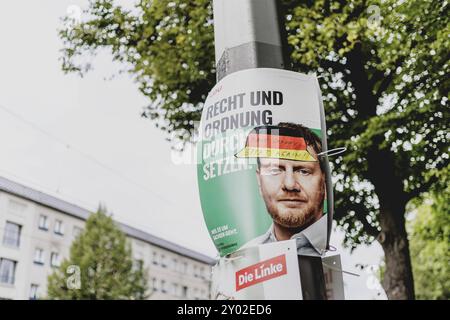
pixel 261 172
pixel 264 272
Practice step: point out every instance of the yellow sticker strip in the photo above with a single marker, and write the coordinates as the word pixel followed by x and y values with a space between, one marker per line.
pixel 298 155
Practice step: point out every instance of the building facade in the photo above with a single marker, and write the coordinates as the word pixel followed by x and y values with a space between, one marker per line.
pixel 36 232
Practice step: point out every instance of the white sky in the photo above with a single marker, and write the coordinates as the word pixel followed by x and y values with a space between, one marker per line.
pixel 100 119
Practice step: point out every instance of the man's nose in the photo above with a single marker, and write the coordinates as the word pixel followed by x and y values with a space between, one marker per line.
pixel 290 183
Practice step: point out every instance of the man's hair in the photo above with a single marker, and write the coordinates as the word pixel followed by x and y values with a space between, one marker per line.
pixel 310 137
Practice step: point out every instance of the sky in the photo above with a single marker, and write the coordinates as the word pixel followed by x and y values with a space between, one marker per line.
pixel 83 140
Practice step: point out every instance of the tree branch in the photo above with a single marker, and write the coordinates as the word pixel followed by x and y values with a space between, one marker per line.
pixel 333 64
pixel 361 213
pixel 388 80
pixel 423 188
pixel 367 227
pixel 365 100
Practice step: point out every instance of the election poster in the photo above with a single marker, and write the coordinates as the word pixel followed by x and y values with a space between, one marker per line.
pixel 264 272
pixel 261 170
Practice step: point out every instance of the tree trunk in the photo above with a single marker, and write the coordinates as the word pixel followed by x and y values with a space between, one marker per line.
pixel 398 278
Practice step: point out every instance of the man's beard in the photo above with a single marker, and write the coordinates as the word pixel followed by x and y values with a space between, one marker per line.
pixel 300 217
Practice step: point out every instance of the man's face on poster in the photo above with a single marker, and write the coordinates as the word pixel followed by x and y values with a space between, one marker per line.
pixel 293 191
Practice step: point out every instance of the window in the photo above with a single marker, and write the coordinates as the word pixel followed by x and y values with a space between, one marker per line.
pixel 59 228
pixel 202 273
pixel 184 293
pixel 175 264
pixel 163 286
pixel 184 270
pixel 11 237
pixel 155 258
pixel 155 284
pixel 77 231
pixel 55 261
pixel 175 289
pixel 195 272
pixel 163 261
pixel 39 256
pixel 196 297
pixel 33 291
pixel 43 222
pixel 7 271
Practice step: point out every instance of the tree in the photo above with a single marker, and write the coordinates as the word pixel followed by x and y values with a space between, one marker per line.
pixel 383 69
pixel 430 247
pixel 100 265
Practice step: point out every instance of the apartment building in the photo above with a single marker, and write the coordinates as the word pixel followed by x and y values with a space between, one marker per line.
pixel 36 232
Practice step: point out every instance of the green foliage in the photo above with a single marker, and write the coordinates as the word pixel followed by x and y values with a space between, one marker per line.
pixel 430 247
pixel 103 257
pixel 383 68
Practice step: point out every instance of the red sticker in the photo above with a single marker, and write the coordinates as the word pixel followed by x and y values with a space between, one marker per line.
pixel 260 272
pixel 274 141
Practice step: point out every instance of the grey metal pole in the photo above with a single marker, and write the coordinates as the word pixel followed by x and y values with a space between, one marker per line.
pixel 247 35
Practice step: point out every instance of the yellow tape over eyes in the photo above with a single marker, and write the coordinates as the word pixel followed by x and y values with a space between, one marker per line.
pixel 297 155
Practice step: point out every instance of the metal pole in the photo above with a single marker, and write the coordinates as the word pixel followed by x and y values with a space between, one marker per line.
pixel 247 35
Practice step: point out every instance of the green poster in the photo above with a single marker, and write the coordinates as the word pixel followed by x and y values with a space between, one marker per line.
pixel 262 174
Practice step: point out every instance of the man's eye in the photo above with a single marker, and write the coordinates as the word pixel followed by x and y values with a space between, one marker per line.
pixel 272 171
pixel 304 172
pixel 275 171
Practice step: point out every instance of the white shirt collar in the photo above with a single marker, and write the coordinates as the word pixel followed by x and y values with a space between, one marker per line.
pixel 316 234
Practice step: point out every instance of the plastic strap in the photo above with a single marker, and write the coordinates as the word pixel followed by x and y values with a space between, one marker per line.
pixel 340 270
pixel 333 152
